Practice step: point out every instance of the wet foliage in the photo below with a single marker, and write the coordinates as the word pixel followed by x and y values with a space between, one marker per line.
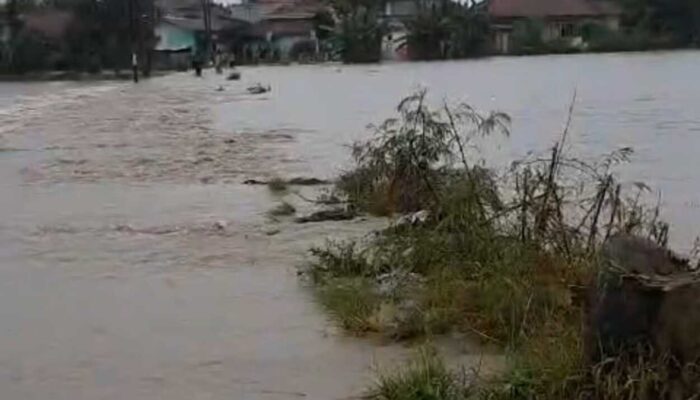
pixel 447 30
pixel 358 36
pixel 75 35
pixel 425 377
pixel 503 256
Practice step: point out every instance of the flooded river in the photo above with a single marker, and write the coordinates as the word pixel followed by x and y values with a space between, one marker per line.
pixel 135 265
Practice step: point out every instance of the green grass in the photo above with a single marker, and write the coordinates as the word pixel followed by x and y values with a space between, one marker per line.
pixel 351 303
pixel 425 377
pixel 498 256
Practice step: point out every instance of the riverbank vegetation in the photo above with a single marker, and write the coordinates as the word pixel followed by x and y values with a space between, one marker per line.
pixel 503 257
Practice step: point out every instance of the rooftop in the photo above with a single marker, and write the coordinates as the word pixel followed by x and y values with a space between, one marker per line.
pixel 551 8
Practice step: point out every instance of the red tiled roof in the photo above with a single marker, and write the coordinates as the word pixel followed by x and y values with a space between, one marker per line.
pixel 53 24
pixel 299 9
pixel 551 8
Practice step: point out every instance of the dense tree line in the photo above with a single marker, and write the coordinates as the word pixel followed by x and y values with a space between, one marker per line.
pixel 444 29
pixel 99 34
pixel 678 18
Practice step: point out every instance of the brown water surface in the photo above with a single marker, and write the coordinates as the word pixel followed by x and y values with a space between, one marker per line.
pixel 135 265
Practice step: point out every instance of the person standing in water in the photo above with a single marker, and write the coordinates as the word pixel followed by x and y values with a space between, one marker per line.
pixel 197 63
pixel 219 61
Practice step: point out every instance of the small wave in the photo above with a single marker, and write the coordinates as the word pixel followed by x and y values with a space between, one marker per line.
pixel 36 102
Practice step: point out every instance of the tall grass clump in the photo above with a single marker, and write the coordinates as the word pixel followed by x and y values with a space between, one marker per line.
pixel 277 185
pixel 503 256
pixel 424 377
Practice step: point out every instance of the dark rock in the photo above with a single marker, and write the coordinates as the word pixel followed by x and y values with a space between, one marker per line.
pixel 234 76
pixel 334 214
pixel 645 295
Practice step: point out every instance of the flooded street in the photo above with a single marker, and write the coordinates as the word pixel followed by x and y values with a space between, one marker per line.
pixel 134 264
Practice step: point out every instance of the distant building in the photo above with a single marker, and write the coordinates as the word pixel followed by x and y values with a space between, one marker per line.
pixel 400 10
pixel 181 31
pixel 50 24
pixel 561 19
pixel 395 14
pixel 280 29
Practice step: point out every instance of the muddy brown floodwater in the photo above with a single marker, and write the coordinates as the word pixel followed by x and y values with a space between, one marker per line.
pixel 135 265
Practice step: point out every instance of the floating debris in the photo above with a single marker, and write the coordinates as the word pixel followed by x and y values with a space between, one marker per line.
pixel 282 210
pixel 259 89
pixel 298 181
pixel 333 214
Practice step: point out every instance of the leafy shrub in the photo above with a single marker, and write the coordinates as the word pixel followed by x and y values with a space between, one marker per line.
pixel 498 254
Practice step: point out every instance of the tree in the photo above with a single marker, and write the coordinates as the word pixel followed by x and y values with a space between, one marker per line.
pixel 446 30
pixel 679 18
pixel 359 34
pixel 102 34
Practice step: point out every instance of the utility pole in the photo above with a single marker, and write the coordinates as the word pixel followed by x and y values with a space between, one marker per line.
pixel 139 34
pixel 150 27
pixel 13 22
pixel 133 36
pixel 206 16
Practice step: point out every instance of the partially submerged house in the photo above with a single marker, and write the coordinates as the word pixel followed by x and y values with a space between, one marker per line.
pixel 394 16
pixel 281 30
pixel 181 31
pixel 177 40
pixel 560 19
pixel 396 12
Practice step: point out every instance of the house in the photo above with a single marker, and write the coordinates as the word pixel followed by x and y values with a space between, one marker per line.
pixel 280 29
pixel 181 31
pixel 52 24
pixel 561 19
pixel 177 40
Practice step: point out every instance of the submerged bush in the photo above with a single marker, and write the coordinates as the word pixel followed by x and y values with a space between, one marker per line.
pixel 407 164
